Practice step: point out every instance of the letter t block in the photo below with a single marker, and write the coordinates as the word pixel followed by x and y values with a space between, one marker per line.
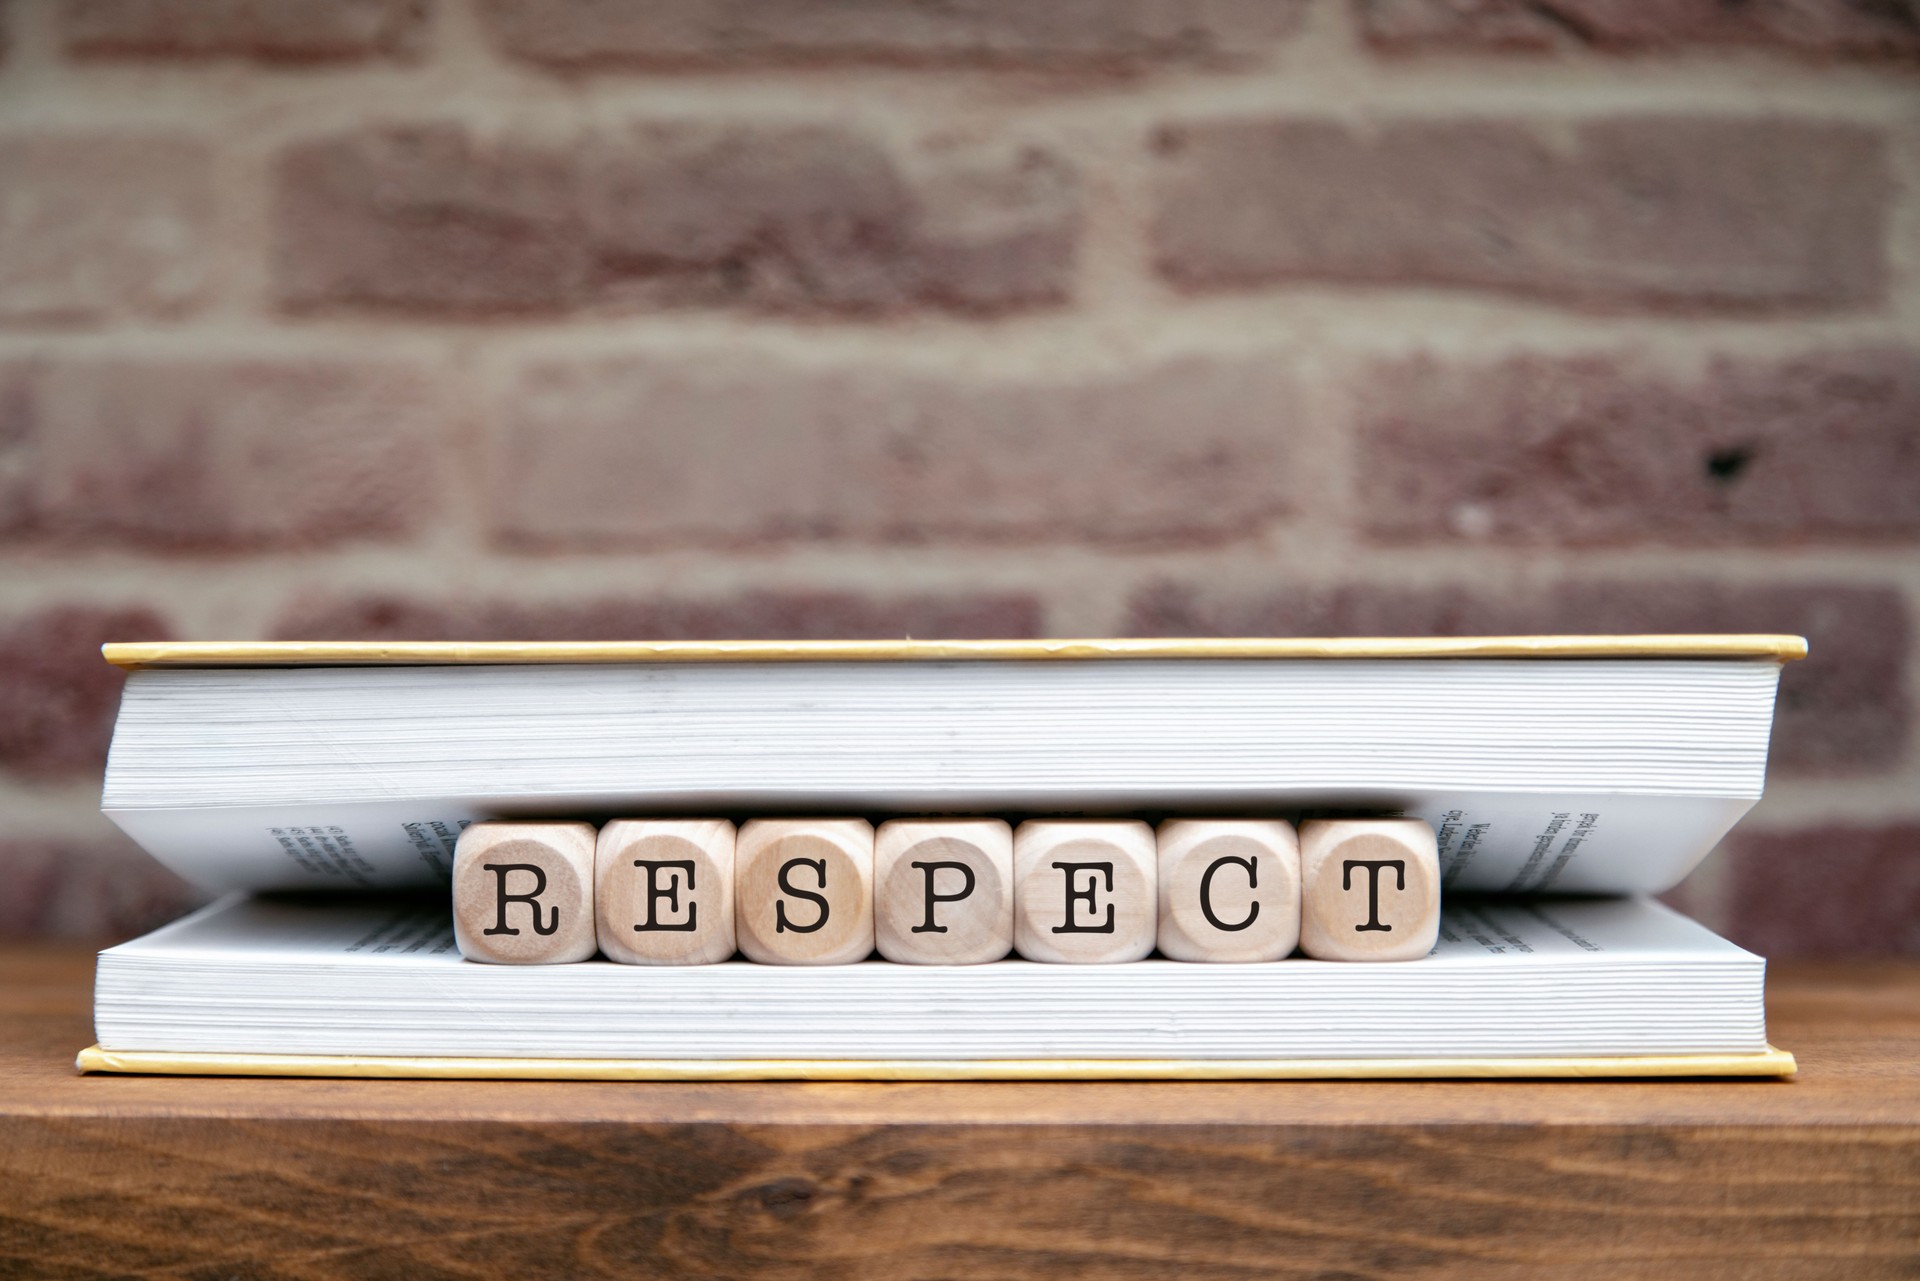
pixel 1370 889
pixel 523 893
pixel 1085 892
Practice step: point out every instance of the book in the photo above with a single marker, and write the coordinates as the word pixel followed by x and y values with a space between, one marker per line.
pixel 1562 764
pixel 370 985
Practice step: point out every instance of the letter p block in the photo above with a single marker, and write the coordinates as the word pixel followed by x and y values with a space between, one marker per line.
pixel 523 893
pixel 943 891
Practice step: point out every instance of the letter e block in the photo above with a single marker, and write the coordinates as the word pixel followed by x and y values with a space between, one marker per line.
pixel 943 891
pixel 803 890
pixel 523 893
pixel 1084 891
pixel 1229 890
pixel 1370 889
pixel 663 891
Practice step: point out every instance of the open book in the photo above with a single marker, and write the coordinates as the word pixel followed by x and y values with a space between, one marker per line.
pixel 374 986
pixel 1569 764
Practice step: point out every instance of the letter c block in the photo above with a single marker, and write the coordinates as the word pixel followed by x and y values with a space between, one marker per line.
pixel 1084 891
pixel 803 890
pixel 1229 890
pixel 943 891
pixel 1369 889
pixel 663 891
pixel 523 893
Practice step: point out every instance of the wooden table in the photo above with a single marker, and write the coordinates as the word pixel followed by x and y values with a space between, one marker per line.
pixel 410 1179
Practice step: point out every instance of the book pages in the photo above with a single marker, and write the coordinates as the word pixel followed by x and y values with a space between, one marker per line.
pixel 370 976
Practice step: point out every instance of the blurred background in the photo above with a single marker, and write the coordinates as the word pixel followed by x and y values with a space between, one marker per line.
pixel 856 318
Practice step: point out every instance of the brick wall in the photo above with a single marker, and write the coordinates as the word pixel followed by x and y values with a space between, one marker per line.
pixel 514 318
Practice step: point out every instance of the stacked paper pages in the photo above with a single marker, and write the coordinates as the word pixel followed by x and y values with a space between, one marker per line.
pixel 372 977
pixel 1585 774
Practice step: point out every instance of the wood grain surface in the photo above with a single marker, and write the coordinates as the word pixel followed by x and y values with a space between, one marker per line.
pixel 147 1176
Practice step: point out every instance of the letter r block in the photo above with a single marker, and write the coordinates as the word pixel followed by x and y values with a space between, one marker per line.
pixel 663 891
pixel 943 891
pixel 1370 889
pixel 523 893
pixel 1229 889
pixel 1084 891
pixel 803 890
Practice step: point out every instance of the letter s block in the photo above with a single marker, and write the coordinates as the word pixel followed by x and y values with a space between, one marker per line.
pixel 663 891
pixel 1229 890
pixel 1084 891
pixel 943 891
pixel 803 890
pixel 1370 889
pixel 523 893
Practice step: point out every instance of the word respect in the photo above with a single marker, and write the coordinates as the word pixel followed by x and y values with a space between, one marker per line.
pixel 832 891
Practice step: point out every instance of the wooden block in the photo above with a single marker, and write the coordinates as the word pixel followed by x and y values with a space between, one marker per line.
pixel 1229 889
pixel 1084 891
pixel 943 891
pixel 663 891
pixel 523 893
pixel 803 890
pixel 1370 889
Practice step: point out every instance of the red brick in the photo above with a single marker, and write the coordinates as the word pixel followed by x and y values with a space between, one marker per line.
pixel 1826 890
pixel 429 218
pixel 1822 28
pixel 1605 450
pixel 804 217
pixel 726 448
pixel 289 30
pixel 58 697
pixel 1843 709
pixel 993 230
pixel 772 217
pixel 191 453
pixel 1635 211
pixel 94 226
pixel 783 615
pixel 1073 33
pixel 103 889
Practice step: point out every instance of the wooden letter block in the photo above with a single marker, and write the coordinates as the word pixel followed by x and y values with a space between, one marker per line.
pixel 1229 890
pixel 523 893
pixel 803 890
pixel 1370 889
pixel 1084 891
pixel 663 891
pixel 943 891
